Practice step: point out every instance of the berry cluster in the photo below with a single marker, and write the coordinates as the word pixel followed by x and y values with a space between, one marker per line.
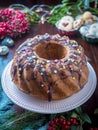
pixel 62 124
pixel 13 23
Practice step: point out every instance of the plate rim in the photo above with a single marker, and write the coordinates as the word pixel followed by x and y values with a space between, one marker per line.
pixel 47 111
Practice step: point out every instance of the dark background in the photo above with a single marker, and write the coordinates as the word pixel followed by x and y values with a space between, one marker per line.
pixel 29 3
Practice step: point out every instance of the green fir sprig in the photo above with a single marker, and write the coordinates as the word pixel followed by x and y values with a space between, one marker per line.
pixel 19 122
pixel 68 7
pixel 34 121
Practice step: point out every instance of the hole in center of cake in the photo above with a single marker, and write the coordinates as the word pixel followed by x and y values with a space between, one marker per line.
pixel 51 51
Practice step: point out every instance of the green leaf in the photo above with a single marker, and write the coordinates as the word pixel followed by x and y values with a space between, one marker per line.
pixel 76 127
pixel 79 128
pixel 78 110
pixel 52 116
pixel 86 118
pixel 73 128
pixel 74 115
pixel 96 111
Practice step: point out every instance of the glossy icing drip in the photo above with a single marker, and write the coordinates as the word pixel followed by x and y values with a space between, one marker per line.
pixel 49 92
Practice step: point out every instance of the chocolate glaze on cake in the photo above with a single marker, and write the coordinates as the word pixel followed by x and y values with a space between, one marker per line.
pixel 50 67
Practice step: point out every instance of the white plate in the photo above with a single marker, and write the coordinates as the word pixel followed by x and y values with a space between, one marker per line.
pixel 43 106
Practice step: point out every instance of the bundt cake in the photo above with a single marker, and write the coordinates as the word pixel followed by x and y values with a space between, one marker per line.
pixel 50 67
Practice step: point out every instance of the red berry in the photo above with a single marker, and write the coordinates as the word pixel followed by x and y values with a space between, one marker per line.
pixel 64 122
pixel 56 120
pixel 68 123
pixel 66 127
pixel 51 122
pixel 71 119
pixel 54 125
pixel 74 122
pixel 50 128
pixel 61 119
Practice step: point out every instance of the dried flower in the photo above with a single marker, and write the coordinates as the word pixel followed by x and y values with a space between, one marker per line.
pixel 13 23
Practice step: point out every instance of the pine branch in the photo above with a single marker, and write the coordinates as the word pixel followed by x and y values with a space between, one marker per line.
pixel 27 116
